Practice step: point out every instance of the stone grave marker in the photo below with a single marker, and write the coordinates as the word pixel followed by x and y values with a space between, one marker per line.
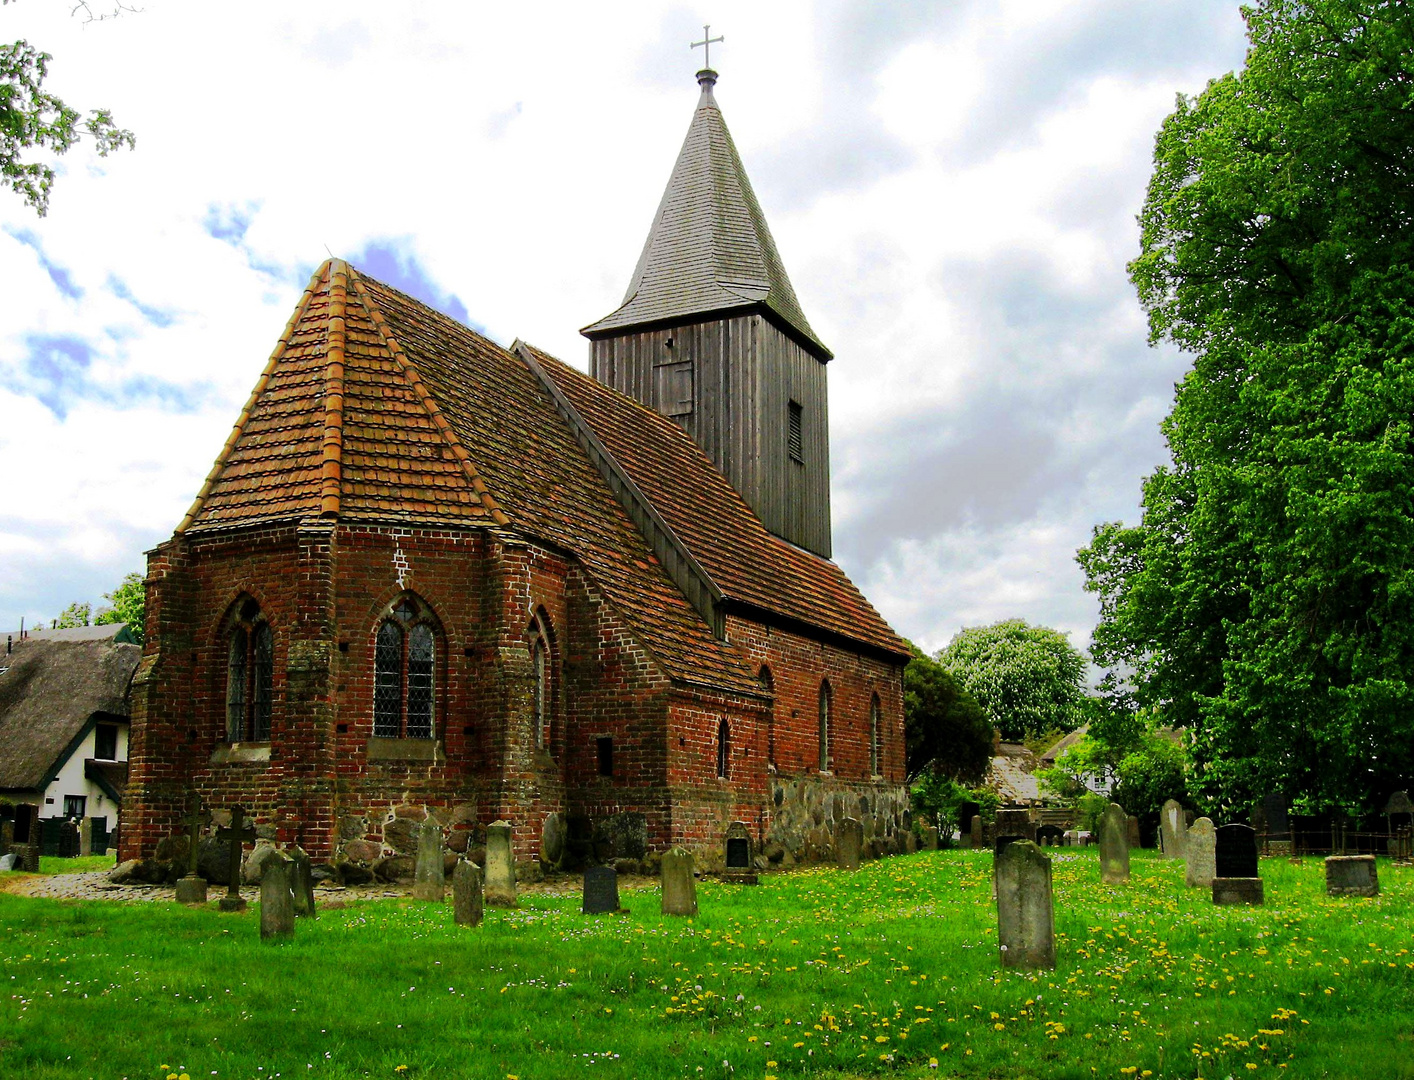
pixel 974 832
pixel 235 836
pixel 601 891
pixel 1278 834
pixel 679 886
pixel 25 844
pixel 302 882
pixel 1114 845
pixel 1352 875
pixel 1172 826
pixel 553 836
pixel 1134 838
pixel 740 861
pixel 191 889
pixel 277 902
pixel 1200 854
pixel 929 839
pixel 7 861
pixel 429 876
pixel 1025 914
pixel 849 842
pixel 86 837
pixel 1016 823
pixel 466 893
pixel 1399 816
pixel 500 865
pixel 1235 863
pixel 7 835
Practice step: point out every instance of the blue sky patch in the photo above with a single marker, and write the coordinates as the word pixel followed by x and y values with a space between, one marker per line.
pixel 156 316
pixel 61 277
pixel 391 263
pixel 56 371
pixel 229 223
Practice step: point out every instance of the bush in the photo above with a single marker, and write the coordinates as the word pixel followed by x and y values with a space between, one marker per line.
pixel 1151 775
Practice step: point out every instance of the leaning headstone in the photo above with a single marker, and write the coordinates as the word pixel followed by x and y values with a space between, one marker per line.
pixel 466 893
pixel 849 842
pixel 1134 837
pixel 1171 829
pixel 1235 863
pixel 552 840
pixel 302 882
pixel 601 891
pixel 1352 875
pixel 1025 913
pixel 974 832
pixel 1200 854
pixel 679 887
pixel 500 865
pixel 429 876
pixel 277 903
pixel 1114 845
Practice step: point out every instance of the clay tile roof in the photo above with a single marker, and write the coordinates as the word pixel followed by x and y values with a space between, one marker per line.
pixel 709 249
pixel 50 689
pixel 749 565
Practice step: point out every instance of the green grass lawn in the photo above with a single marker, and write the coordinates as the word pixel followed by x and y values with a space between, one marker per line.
pixel 892 970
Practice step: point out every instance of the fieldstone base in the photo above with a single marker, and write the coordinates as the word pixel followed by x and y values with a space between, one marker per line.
pixel 739 877
pixel 191 890
pixel 232 904
pixel 1237 890
pixel 1352 875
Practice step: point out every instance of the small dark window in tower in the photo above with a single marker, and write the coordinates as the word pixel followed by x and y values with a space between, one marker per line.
pixel 105 742
pixel 672 387
pixel 876 749
pixel 795 442
pixel 604 752
pixel 724 748
pixel 825 727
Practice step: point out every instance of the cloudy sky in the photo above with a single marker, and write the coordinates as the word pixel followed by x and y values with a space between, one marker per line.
pixel 952 185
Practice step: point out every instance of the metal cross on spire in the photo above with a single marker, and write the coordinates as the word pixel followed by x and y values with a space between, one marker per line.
pixel 707 42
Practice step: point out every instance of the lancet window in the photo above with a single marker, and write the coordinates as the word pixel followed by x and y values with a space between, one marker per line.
pixel 250 675
pixel 405 656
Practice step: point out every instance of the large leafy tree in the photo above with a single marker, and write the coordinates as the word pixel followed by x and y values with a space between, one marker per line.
pixel 1266 599
pixel 945 730
pixel 32 119
pixel 1028 679
pixel 127 604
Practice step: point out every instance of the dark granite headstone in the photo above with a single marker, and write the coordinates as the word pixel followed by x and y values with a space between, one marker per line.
pixel 1274 807
pixel 1235 851
pixel 738 853
pixel 601 890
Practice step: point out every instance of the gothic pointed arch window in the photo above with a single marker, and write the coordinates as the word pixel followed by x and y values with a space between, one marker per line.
pixel 724 749
pixel 876 745
pixel 826 696
pixel 406 649
pixel 541 680
pixel 250 674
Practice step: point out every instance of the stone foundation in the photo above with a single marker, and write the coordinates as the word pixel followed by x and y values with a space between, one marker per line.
pixel 806 811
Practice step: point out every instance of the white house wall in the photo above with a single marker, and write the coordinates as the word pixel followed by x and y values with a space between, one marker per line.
pixel 71 781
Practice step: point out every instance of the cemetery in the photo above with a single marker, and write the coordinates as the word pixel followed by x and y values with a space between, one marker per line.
pixel 889 966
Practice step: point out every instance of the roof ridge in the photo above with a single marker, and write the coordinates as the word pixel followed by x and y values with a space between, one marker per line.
pixel 332 468
pixel 428 402
pixel 280 346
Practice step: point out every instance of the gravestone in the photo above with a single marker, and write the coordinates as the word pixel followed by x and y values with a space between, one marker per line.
pixel 234 836
pixel 974 832
pixel 7 835
pixel 429 876
pixel 601 891
pixel 466 893
pixel 1025 913
pixel 849 842
pixel 86 837
pixel 1114 845
pixel 302 882
pixel 500 865
pixel 1172 826
pixel 552 840
pixel 1352 875
pixel 929 839
pixel 1200 853
pixel 277 902
pixel 26 842
pixel 1399 816
pixel 191 889
pixel 1135 840
pixel 740 858
pixel 1016 823
pixel 1235 865
pixel 1278 828
pixel 7 861
pixel 679 886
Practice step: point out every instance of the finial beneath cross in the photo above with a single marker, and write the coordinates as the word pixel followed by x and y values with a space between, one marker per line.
pixel 706 43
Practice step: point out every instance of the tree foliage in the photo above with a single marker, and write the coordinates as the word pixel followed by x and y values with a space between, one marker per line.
pixel 127 603
pixel 1266 599
pixel 31 118
pixel 76 614
pixel 1028 679
pixel 945 730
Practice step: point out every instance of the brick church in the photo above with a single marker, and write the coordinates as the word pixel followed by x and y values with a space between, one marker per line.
pixel 429 575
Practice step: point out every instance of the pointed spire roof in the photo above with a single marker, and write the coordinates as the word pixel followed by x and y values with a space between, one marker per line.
pixel 709 250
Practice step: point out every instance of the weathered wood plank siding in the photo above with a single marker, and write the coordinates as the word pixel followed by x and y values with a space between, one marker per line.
pixel 745 372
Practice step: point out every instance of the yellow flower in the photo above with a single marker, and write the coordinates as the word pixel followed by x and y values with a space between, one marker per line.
pixel 881 1038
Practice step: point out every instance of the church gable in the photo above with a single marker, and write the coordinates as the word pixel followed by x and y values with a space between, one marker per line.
pixel 340 426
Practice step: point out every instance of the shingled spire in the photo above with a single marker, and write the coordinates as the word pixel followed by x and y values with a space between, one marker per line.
pixel 711 334
pixel 709 249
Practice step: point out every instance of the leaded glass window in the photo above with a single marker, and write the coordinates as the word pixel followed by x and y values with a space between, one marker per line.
pixel 388 682
pixel 262 681
pixel 236 684
pixel 421 653
pixel 250 675
pixel 540 687
pixel 405 672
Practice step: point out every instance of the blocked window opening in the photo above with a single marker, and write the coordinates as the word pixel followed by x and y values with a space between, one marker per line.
pixel 876 749
pixel 825 696
pixel 105 742
pixel 795 440
pixel 604 753
pixel 673 388
pixel 724 748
